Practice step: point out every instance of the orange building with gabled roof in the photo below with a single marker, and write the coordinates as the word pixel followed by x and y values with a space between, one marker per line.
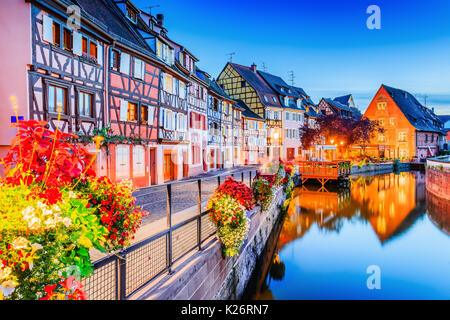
pixel 411 130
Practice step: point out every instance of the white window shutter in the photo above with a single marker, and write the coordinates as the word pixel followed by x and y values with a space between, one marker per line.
pixel 137 68
pixel 174 121
pixel 163 80
pixel 123 110
pixel 77 44
pixel 99 54
pixel 143 70
pixel 151 115
pixel 162 114
pixel 47 28
pixel 125 63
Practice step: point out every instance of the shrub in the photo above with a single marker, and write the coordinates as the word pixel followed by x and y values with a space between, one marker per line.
pixel 263 193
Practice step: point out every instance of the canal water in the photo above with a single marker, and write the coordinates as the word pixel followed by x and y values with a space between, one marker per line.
pixel 385 238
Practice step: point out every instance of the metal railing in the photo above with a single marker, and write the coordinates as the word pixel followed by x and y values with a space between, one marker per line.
pixel 119 276
pixel 324 169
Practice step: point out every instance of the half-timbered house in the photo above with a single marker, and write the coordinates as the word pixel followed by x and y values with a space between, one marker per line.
pixel 237 134
pixel 293 114
pixel 246 84
pixel 173 140
pixel 216 104
pixel 254 138
pixel 66 72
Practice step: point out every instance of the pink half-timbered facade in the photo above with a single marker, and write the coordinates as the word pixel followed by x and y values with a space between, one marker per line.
pixel 66 76
pixel 133 112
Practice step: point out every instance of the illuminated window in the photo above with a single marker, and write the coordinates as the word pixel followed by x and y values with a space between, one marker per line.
pixel 132 111
pixel 67 39
pixel 56 34
pixel 392 122
pixel 381 138
pixel 92 49
pixel 144 114
pixel 115 59
pixel 382 105
pixel 84 45
pixel 402 136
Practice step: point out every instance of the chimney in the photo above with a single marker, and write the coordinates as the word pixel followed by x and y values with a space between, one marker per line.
pixel 160 19
pixel 254 67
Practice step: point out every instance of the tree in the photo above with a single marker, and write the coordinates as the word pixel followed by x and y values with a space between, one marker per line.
pixel 341 131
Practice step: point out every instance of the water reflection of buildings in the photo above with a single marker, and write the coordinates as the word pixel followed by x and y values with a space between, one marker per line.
pixel 391 203
pixel 439 212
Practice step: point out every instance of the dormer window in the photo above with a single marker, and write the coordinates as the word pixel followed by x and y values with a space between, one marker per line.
pixel 131 14
pixel 274 99
pixel 265 99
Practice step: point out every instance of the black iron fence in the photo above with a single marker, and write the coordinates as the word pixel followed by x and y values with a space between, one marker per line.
pixel 119 276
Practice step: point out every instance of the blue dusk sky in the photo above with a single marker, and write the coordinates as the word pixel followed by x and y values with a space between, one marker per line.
pixel 326 43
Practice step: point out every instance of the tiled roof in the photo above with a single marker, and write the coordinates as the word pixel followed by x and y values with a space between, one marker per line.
pixel 258 83
pixel 248 113
pixel 419 116
pixel 337 104
pixel 214 87
pixel 444 118
pixel 107 16
pixel 344 100
pixel 279 85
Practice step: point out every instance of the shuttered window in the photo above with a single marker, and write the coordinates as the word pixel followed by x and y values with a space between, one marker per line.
pixel 132 112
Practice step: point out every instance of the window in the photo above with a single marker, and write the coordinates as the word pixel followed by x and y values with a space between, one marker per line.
pixel 287 115
pixel 131 14
pixel 92 49
pixel 426 138
pixel 144 114
pixel 265 99
pixel 56 34
pixel 402 137
pixel 115 60
pixel 382 105
pixel 392 121
pixel 381 138
pixel 67 39
pixel 85 106
pixel 84 46
pixel 381 122
pixel 57 97
pixel 132 111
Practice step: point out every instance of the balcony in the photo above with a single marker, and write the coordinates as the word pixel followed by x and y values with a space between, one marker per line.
pixel 173 101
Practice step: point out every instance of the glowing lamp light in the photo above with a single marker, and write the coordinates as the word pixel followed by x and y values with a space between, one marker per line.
pixel 276 135
pixel 342 143
pixel 332 141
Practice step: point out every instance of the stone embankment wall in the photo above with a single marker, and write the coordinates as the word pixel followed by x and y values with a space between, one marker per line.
pixel 206 275
pixel 438 177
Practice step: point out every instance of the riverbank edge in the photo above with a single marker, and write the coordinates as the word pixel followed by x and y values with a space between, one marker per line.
pixel 374 168
pixel 206 275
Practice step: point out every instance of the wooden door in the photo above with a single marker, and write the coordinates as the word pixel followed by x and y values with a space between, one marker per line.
pixel 153 166
pixel 169 173
pixel 213 158
pixel 290 153
pixel 185 164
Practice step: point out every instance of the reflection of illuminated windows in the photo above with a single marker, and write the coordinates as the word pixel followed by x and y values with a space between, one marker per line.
pixel 381 224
